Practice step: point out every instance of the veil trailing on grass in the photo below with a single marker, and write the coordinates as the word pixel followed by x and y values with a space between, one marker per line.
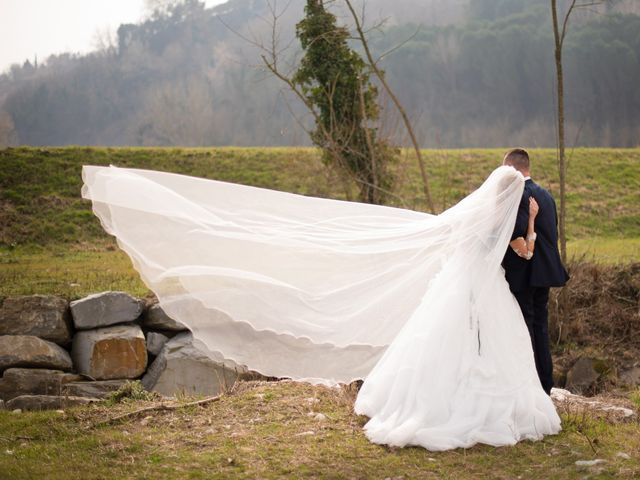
pixel 292 286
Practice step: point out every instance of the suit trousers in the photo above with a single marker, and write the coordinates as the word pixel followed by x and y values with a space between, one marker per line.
pixel 534 305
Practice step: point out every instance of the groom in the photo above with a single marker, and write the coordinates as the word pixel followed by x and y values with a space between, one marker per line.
pixel 529 280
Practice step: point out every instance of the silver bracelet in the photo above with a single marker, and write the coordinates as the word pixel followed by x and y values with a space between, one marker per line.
pixel 532 237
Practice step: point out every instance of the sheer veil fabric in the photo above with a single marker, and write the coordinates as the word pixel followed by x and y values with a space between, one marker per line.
pixel 329 291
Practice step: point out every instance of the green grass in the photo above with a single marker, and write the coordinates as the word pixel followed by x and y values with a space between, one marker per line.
pixel 74 271
pixel 605 250
pixel 40 199
pixel 256 433
pixel 67 270
pixel 40 188
pixel 50 241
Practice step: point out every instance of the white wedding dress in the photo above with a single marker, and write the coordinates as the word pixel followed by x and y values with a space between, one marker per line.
pixel 328 291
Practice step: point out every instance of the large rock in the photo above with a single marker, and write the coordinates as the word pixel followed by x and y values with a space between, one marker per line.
pixel 111 352
pixel 44 316
pixel 97 389
pixel 608 409
pixel 104 309
pixel 29 351
pixel 631 377
pixel 34 381
pixel 183 367
pixel 155 342
pixel 155 318
pixel 582 376
pixel 46 402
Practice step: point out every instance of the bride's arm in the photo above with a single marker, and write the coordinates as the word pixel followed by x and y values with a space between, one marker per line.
pixel 524 248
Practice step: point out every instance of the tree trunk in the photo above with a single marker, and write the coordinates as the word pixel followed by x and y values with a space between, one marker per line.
pixel 562 167
pixel 371 171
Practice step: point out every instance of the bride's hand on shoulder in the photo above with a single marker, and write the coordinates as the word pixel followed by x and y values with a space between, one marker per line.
pixel 533 207
pixel 525 247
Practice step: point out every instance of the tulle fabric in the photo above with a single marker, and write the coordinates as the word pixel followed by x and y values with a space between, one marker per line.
pixel 329 291
pixel 459 372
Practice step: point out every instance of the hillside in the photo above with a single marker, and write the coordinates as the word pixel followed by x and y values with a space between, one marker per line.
pixel 41 203
pixel 470 73
pixel 50 241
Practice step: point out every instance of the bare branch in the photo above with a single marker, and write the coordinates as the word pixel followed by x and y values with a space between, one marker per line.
pixel 161 406
pixel 396 101
pixel 575 5
pixel 566 19
pixel 400 45
pixel 251 41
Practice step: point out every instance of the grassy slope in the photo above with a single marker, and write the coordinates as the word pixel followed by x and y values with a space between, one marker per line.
pixel 259 432
pixel 42 186
pixel 59 247
pixel 50 242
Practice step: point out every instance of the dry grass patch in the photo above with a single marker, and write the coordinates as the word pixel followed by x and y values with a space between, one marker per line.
pixel 273 430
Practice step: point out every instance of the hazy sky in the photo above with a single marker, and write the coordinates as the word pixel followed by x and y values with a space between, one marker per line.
pixel 43 27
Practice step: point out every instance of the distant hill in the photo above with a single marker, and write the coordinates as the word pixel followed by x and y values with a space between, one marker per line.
pixel 470 72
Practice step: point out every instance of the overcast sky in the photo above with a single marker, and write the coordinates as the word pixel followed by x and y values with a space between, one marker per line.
pixel 42 27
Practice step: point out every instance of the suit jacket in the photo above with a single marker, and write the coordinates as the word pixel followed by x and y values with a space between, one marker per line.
pixel 545 268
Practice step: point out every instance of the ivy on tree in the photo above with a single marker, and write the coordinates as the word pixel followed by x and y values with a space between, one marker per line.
pixel 336 83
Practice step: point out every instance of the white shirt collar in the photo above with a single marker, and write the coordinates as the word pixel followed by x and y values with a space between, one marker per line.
pixel 527 178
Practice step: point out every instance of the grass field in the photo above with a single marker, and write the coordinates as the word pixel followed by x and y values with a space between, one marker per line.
pixel 50 241
pixel 269 431
pixel 74 271
pixel 41 201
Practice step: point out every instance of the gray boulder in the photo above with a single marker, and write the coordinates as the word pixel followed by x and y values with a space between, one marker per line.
pixel 104 309
pixel 155 342
pixel 44 316
pixel 155 318
pixel 183 366
pixel 112 352
pixel 30 351
pixel 582 376
pixel 97 389
pixel 34 381
pixel 47 402
pixel 631 377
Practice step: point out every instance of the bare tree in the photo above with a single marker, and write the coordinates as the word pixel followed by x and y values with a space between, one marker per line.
pixel 373 64
pixel 178 114
pixel 559 33
pixel 334 137
pixel 105 40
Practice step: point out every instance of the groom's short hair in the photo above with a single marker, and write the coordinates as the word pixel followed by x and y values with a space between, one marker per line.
pixel 518 158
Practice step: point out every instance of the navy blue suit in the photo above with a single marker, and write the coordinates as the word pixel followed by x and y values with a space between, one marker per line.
pixel 529 280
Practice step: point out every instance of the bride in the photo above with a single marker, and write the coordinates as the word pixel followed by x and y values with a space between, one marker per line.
pixel 328 292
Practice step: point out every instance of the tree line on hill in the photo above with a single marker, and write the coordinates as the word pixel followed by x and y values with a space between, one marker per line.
pixel 470 73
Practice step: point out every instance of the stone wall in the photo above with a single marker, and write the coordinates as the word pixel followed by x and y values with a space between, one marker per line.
pixel 55 354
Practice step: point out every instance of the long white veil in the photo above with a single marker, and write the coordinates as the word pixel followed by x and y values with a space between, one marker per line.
pixel 292 286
